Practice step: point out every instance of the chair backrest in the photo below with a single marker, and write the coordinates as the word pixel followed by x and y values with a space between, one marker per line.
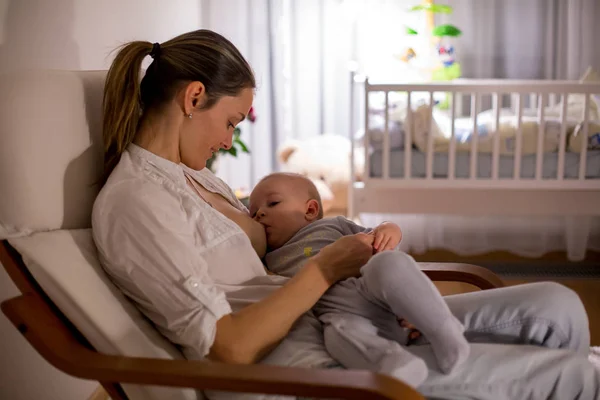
pixel 50 149
pixel 50 164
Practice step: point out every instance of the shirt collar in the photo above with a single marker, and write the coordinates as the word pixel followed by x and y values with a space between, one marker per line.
pixel 173 170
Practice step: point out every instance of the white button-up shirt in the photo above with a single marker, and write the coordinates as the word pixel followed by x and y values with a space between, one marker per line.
pixel 184 264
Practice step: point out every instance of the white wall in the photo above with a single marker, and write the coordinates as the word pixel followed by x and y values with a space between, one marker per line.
pixel 69 34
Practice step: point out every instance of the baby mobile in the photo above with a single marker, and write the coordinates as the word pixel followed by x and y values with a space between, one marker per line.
pixel 444 65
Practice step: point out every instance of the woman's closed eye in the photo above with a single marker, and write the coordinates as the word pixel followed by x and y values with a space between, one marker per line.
pixel 272 203
pixel 230 125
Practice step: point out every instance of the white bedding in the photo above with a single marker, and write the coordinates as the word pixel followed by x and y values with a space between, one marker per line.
pixel 464 132
pixel 442 128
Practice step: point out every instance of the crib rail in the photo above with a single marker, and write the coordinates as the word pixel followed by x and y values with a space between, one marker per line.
pixel 513 95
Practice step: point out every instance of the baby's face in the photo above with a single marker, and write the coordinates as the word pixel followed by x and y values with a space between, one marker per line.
pixel 280 206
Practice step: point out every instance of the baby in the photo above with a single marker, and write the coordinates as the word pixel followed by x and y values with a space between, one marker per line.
pixel 360 315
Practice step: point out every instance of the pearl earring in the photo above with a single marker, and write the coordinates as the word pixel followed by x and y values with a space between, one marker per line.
pixel 190 115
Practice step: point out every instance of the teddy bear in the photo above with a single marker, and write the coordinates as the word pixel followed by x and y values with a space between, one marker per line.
pixel 325 160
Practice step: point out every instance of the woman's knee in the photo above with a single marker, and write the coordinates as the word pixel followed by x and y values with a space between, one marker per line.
pixel 564 306
pixel 558 297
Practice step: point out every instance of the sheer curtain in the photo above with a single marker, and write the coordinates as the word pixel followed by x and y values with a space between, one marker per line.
pixel 531 39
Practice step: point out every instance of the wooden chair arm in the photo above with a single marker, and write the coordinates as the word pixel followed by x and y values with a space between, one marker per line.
pixel 49 336
pixel 457 272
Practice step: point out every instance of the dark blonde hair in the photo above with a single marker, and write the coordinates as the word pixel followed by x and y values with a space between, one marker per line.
pixel 200 55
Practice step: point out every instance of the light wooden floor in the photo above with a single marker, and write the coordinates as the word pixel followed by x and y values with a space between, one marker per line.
pixel 587 289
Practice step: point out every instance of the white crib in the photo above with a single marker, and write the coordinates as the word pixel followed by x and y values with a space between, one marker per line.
pixel 546 164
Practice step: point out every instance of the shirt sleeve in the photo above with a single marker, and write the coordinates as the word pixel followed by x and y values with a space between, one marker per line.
pixel 350 228
pixel 149 248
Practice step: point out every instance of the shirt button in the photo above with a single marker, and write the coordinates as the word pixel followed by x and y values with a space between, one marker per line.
pixel 195 284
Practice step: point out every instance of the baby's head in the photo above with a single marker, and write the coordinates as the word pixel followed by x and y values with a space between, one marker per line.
pixel 284 203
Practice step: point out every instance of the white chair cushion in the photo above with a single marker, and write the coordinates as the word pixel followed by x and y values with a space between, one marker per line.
pixel 50 149
pixel 66 266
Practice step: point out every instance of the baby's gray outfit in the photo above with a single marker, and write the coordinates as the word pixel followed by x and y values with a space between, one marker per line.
pixel 361 330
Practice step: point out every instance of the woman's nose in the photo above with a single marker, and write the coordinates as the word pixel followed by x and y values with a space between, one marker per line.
pixel 227 145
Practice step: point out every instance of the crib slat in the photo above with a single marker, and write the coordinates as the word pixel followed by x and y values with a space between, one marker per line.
pixel 539 158
pixel 584 142
pixel 496 151
pixel 407 139
pixel 562 144
pixel 515 98
pixel 429 167
pixel 532 100
pixel 452 155
pixel 386 138
pixel 367 173
pixel 474 136
pixel 518 139
pixel 459 104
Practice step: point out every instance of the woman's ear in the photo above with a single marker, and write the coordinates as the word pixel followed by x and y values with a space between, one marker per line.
pixel 194 96
pixel 312 210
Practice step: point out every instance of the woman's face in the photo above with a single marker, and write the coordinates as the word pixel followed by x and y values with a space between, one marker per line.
pixel 212 129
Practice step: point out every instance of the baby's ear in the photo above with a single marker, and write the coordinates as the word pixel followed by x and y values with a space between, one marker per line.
pixel 285 151
pixel 312 210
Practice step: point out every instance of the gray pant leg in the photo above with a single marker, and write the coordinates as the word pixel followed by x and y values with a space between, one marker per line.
pixel 512 372
pixel 393 279
pixel 544 313
pixel 349 297
pixel 355 343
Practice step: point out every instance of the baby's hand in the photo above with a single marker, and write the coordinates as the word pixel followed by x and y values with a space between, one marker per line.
pixel 387 236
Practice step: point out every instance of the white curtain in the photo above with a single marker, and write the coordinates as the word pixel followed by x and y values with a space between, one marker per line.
pixel 527 39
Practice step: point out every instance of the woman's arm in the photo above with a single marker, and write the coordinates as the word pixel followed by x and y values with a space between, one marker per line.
pixel 246 336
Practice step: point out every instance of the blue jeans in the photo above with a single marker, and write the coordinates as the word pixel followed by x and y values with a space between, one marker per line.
pixel 528 342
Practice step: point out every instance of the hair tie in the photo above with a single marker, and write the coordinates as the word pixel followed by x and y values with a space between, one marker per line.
pixel 155 50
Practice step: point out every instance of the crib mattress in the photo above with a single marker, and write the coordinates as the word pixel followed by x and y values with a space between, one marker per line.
pixel 484 165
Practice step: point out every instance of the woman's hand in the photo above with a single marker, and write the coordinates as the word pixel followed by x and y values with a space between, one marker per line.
pixel 387 236
pixel 345 257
